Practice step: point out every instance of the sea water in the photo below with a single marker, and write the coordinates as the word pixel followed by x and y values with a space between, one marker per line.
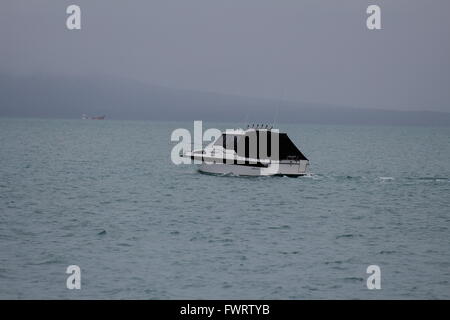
pixel 105 196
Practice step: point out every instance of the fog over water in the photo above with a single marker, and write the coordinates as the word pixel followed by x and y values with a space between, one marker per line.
pixel 369 109
pixel 307 52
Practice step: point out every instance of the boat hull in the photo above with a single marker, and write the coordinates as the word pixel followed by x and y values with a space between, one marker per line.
pixel 294 169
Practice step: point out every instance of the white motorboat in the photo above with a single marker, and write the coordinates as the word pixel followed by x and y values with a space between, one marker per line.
pixel 252 152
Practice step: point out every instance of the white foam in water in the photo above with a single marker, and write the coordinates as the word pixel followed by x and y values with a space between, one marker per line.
pixel 311 176
pixel 386 178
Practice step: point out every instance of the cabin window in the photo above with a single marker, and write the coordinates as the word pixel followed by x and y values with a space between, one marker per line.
pixel 235 146
pixel 224 141
pixel 228 141
pixel 257 144
pixel 247 149
pixel 219 141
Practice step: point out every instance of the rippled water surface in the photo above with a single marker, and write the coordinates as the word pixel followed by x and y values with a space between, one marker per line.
pixel 104 195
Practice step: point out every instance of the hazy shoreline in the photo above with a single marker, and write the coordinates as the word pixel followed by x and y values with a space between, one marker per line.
pixel 70 97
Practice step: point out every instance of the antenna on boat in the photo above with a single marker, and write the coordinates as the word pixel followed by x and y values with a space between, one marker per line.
pixel 275 118
pixel 246 121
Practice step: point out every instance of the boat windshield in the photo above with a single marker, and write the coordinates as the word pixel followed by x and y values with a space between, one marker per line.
pixel 228 141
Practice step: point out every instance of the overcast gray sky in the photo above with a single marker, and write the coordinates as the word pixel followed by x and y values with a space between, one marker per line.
pixel 313 51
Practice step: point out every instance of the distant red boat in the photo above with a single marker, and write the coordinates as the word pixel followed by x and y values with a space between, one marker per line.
pixel 85 117
pixel 98 118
